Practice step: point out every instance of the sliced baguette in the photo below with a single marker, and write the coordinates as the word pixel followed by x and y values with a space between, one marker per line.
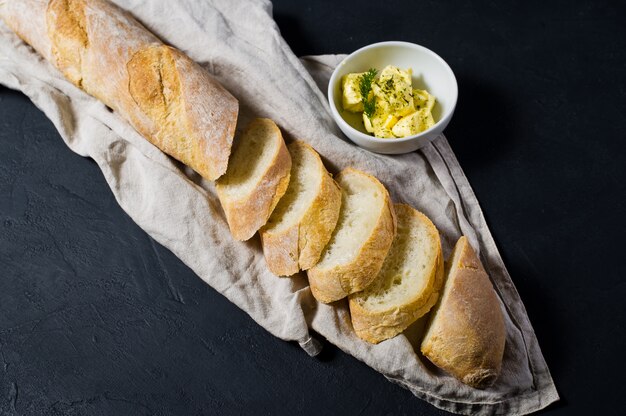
pixel 256 179
pixel 360 242
pixel 466 334
pixel 408 284
pixel 305 217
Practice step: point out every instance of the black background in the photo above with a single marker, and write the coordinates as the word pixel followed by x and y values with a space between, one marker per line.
pixel 87 322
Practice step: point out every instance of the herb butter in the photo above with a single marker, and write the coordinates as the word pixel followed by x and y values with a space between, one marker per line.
pixel 391 107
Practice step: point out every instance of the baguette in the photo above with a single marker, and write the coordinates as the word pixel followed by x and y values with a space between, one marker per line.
pixel 257 177
pixel 408 284
pixel 169 99
pixel 305 217
pixel 466 334
pixel 360 242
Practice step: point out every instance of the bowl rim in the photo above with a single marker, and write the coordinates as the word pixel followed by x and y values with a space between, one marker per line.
pixel 363 136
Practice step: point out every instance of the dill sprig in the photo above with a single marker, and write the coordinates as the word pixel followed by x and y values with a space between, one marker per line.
pixel 365 86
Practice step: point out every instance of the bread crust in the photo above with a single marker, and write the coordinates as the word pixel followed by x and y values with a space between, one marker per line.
pixel 466 335
pixel 319 222
pixel 27 18
pixel 300 246
pixel 330 285
pixel 379 325
pixel 169 99
pixel 246 215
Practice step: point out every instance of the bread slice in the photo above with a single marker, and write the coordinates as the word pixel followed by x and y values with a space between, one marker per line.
pixel 360 242
pixel 305 217
pixel 408 284
pixel 256 179
pixel 466 334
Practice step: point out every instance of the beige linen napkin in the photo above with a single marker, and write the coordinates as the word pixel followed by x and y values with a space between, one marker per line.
pixel 239 43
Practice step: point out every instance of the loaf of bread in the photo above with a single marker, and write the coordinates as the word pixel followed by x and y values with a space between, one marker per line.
pixel 466 333
pixel 360 242
pixel 305 217
pixel 408 284
pixel 162 93
pixel 257 177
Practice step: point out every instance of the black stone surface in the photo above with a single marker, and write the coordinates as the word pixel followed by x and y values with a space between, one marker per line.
pixel 89 324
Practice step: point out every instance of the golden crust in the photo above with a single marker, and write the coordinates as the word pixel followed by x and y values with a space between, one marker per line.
pixel 377 326
pixel 210 115
pixel 329 285
pixel 319 222
pixel 467 334
pixel 281 251
pixel 246 215
pixel 300 246
pixel 169 99
pixel 375 329
pixel 66 28
pixel 178 100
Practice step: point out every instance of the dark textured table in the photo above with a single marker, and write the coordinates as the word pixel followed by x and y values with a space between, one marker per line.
pixel 88 324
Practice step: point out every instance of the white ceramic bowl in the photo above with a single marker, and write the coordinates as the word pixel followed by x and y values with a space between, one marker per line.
pixel 430 72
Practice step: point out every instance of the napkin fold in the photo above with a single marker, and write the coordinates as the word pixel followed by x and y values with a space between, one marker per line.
pixel 240 44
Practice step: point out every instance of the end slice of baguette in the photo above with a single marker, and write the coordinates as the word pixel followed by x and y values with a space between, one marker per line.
pixel 360 242
pixel 305 217
pixel 408 284
pixel 256 179
pixel 466 334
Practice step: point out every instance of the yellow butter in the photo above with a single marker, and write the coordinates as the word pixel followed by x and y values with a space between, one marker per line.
pixel 422 99
pixel 380 124
pixel 368 124
pixel 414 123
pixel 393 91
pixel 390 121
pixel 399 109
pixel 351 97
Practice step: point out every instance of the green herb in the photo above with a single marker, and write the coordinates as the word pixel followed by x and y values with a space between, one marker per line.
pixel 365 86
